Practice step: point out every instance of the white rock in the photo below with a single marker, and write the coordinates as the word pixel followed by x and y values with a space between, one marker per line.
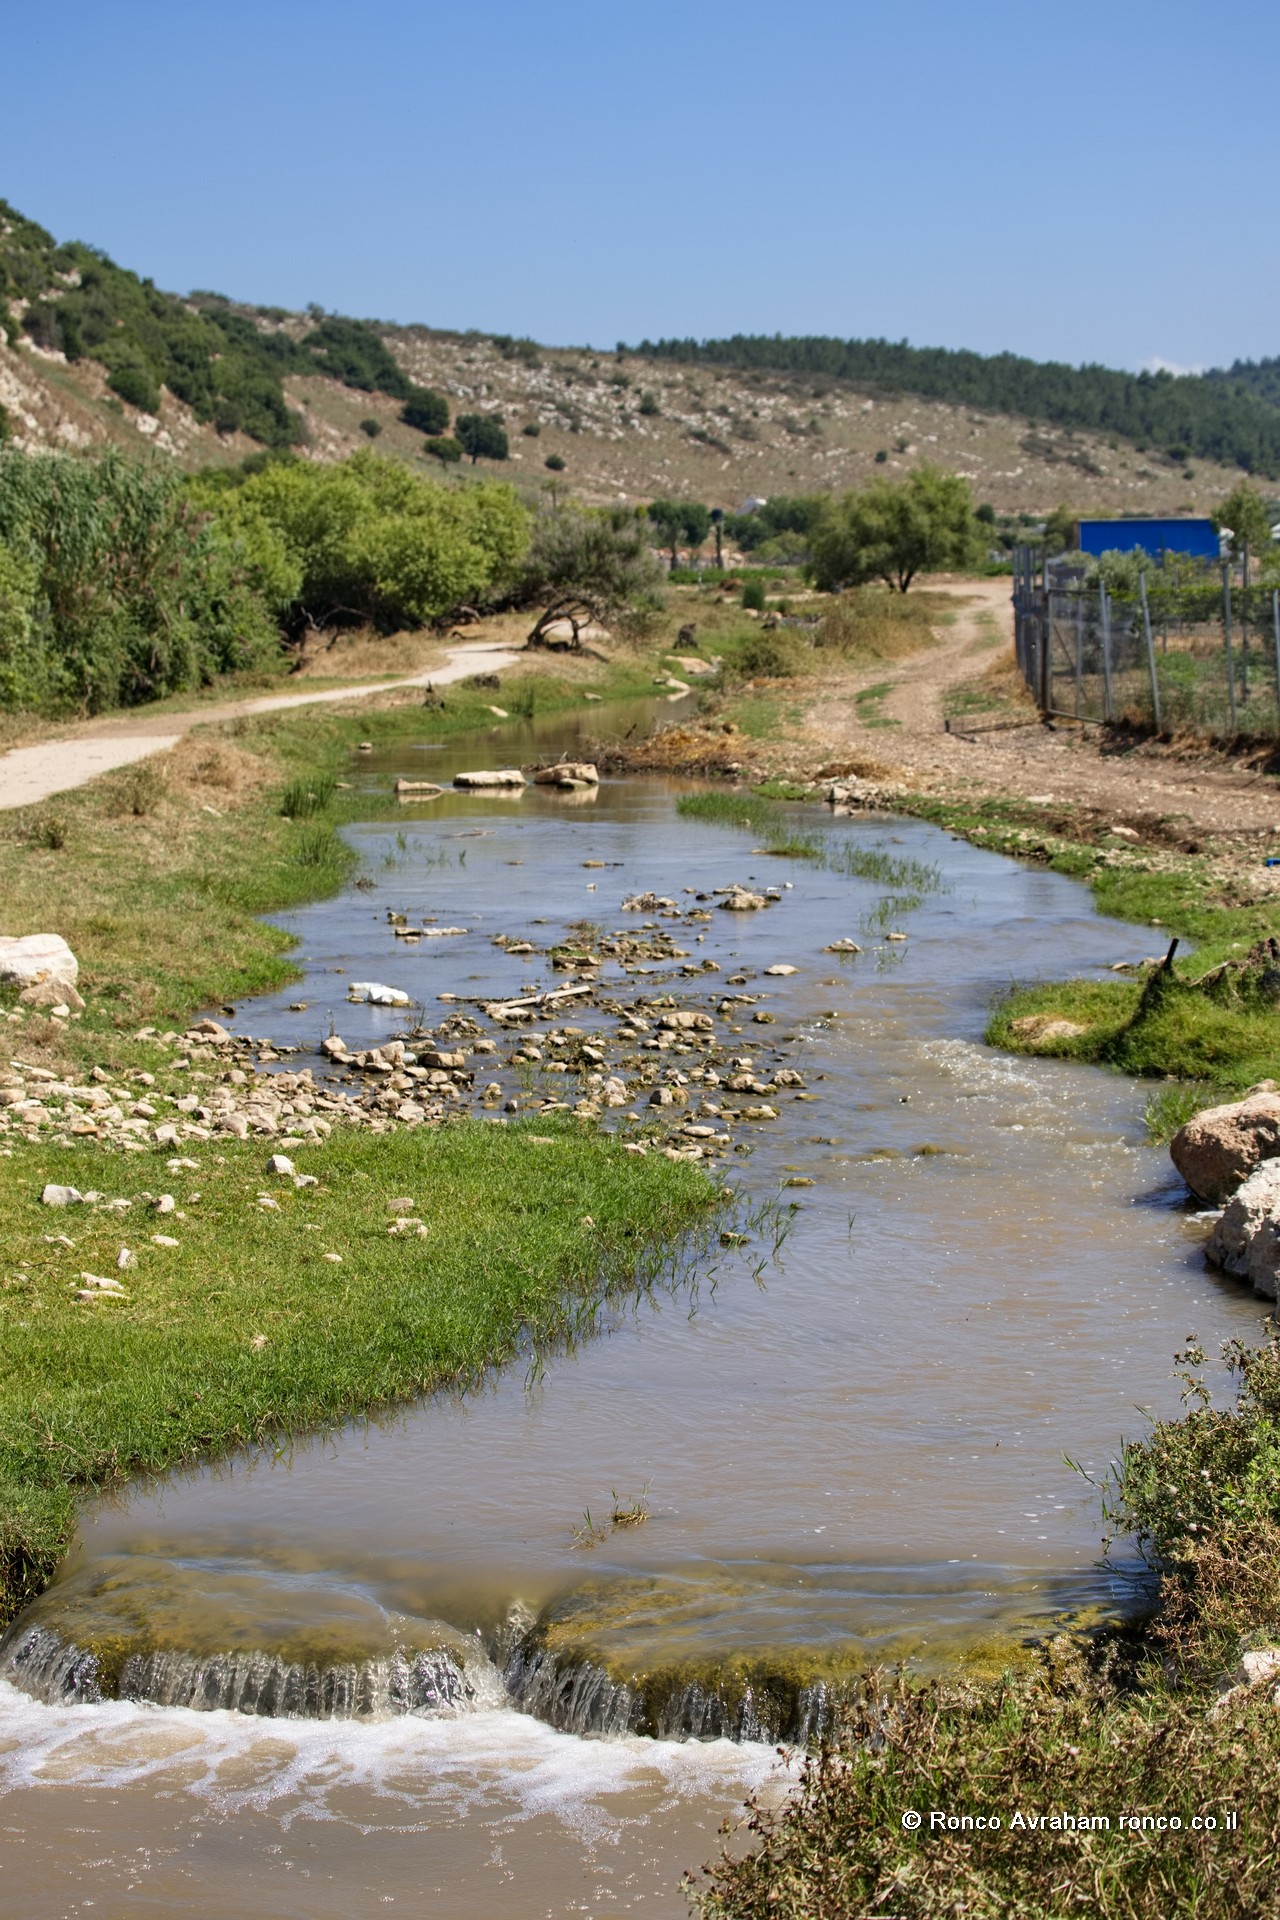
pixel 54 1196
pixel 281 1163
pixel 377 994
pixel 1246 1240
pixel 781 972
pixel 163 1240
pixel 126 1258
pixel 1259 1664
pixel 34 957
pixel 165 1202
pixel 490 777
pixel 301 1180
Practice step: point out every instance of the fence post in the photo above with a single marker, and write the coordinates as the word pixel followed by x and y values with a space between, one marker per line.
pixel 1275 623
pixel 1046 663
pixel 1151 650
pixel 1079 648
pixel 1244 622
pixel 1226 642
pixel 1106 651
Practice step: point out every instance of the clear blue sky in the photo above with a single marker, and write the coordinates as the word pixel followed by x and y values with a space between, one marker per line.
pixel 1088 182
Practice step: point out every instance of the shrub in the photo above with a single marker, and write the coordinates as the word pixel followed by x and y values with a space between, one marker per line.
pixel 753 595
pixel 443 448
pixel 482 435
pixel 531 430
pixel 554 462
pixel 136 385
pixel 769 656
pixel 371 427
pixel 649 405
pixel 114 589
pixel 427 411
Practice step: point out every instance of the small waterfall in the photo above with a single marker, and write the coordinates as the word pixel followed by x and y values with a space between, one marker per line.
pixel 431 1680
pixel 573 1695
pixel 567 1690
pixel 48 1667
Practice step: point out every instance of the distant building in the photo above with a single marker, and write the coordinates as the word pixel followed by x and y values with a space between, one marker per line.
pixel 1198 538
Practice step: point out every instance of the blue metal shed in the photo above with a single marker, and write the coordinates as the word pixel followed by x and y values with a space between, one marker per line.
pixel 1196 537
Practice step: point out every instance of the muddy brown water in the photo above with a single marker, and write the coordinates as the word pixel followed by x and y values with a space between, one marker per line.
pixel 854 1452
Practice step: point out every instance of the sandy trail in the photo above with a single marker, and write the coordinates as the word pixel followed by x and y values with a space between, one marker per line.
pixel 31 774
pixel 1188 796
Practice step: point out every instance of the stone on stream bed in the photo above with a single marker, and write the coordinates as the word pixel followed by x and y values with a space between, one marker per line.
pixel 567 773
pixel 486 777
pixel 1218 1149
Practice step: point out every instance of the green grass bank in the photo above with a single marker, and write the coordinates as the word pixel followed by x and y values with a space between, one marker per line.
pixel 264 1320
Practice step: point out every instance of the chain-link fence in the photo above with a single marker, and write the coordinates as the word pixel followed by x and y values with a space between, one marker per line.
pixel 1200 654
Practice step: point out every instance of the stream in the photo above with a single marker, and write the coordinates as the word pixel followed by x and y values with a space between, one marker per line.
pixel 852 1452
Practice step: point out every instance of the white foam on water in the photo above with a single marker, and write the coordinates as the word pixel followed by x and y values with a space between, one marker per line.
pixel 417 1769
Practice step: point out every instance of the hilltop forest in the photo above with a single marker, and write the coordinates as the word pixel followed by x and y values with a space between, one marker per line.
pixel 1231 416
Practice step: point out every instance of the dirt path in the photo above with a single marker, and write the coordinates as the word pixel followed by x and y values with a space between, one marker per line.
pixel 32 774
pixel 1189 797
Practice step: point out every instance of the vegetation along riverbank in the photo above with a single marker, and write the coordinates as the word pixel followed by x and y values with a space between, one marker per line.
pixel 271 1302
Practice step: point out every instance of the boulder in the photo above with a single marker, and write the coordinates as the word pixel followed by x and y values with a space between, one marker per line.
pixel 569 773
pixel 490 777
pixel 35 957
pixel 1218 1149
pixel 741 900
pixel 54 994
pixel 1246 1240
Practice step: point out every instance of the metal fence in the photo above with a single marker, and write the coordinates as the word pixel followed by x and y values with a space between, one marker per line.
pixel 1203 655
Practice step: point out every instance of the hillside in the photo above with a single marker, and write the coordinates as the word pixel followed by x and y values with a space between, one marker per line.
pixel 1230 416
pixel 90 354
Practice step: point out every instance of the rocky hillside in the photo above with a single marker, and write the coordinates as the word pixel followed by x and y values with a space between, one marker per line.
pixel 90 354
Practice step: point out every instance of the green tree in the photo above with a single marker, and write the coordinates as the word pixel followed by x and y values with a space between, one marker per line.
pixel 1244 514
pixel 591 563
pixel 444 448
pixel 677 520
pixel 369 540
pixel 1061 530
pixel 892 532
pixel 482 435
pixel 427 411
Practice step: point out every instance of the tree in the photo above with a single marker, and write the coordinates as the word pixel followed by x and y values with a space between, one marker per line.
pixel 367 539
pixel 443 448
pixel 1244 515
pixel 891 533
pixel 1061 530
pixel 482 435
pixel 590 563
pixel 677 520
pixel 425 410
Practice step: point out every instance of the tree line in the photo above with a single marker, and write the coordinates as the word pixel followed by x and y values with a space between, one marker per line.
pixel 1231 416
